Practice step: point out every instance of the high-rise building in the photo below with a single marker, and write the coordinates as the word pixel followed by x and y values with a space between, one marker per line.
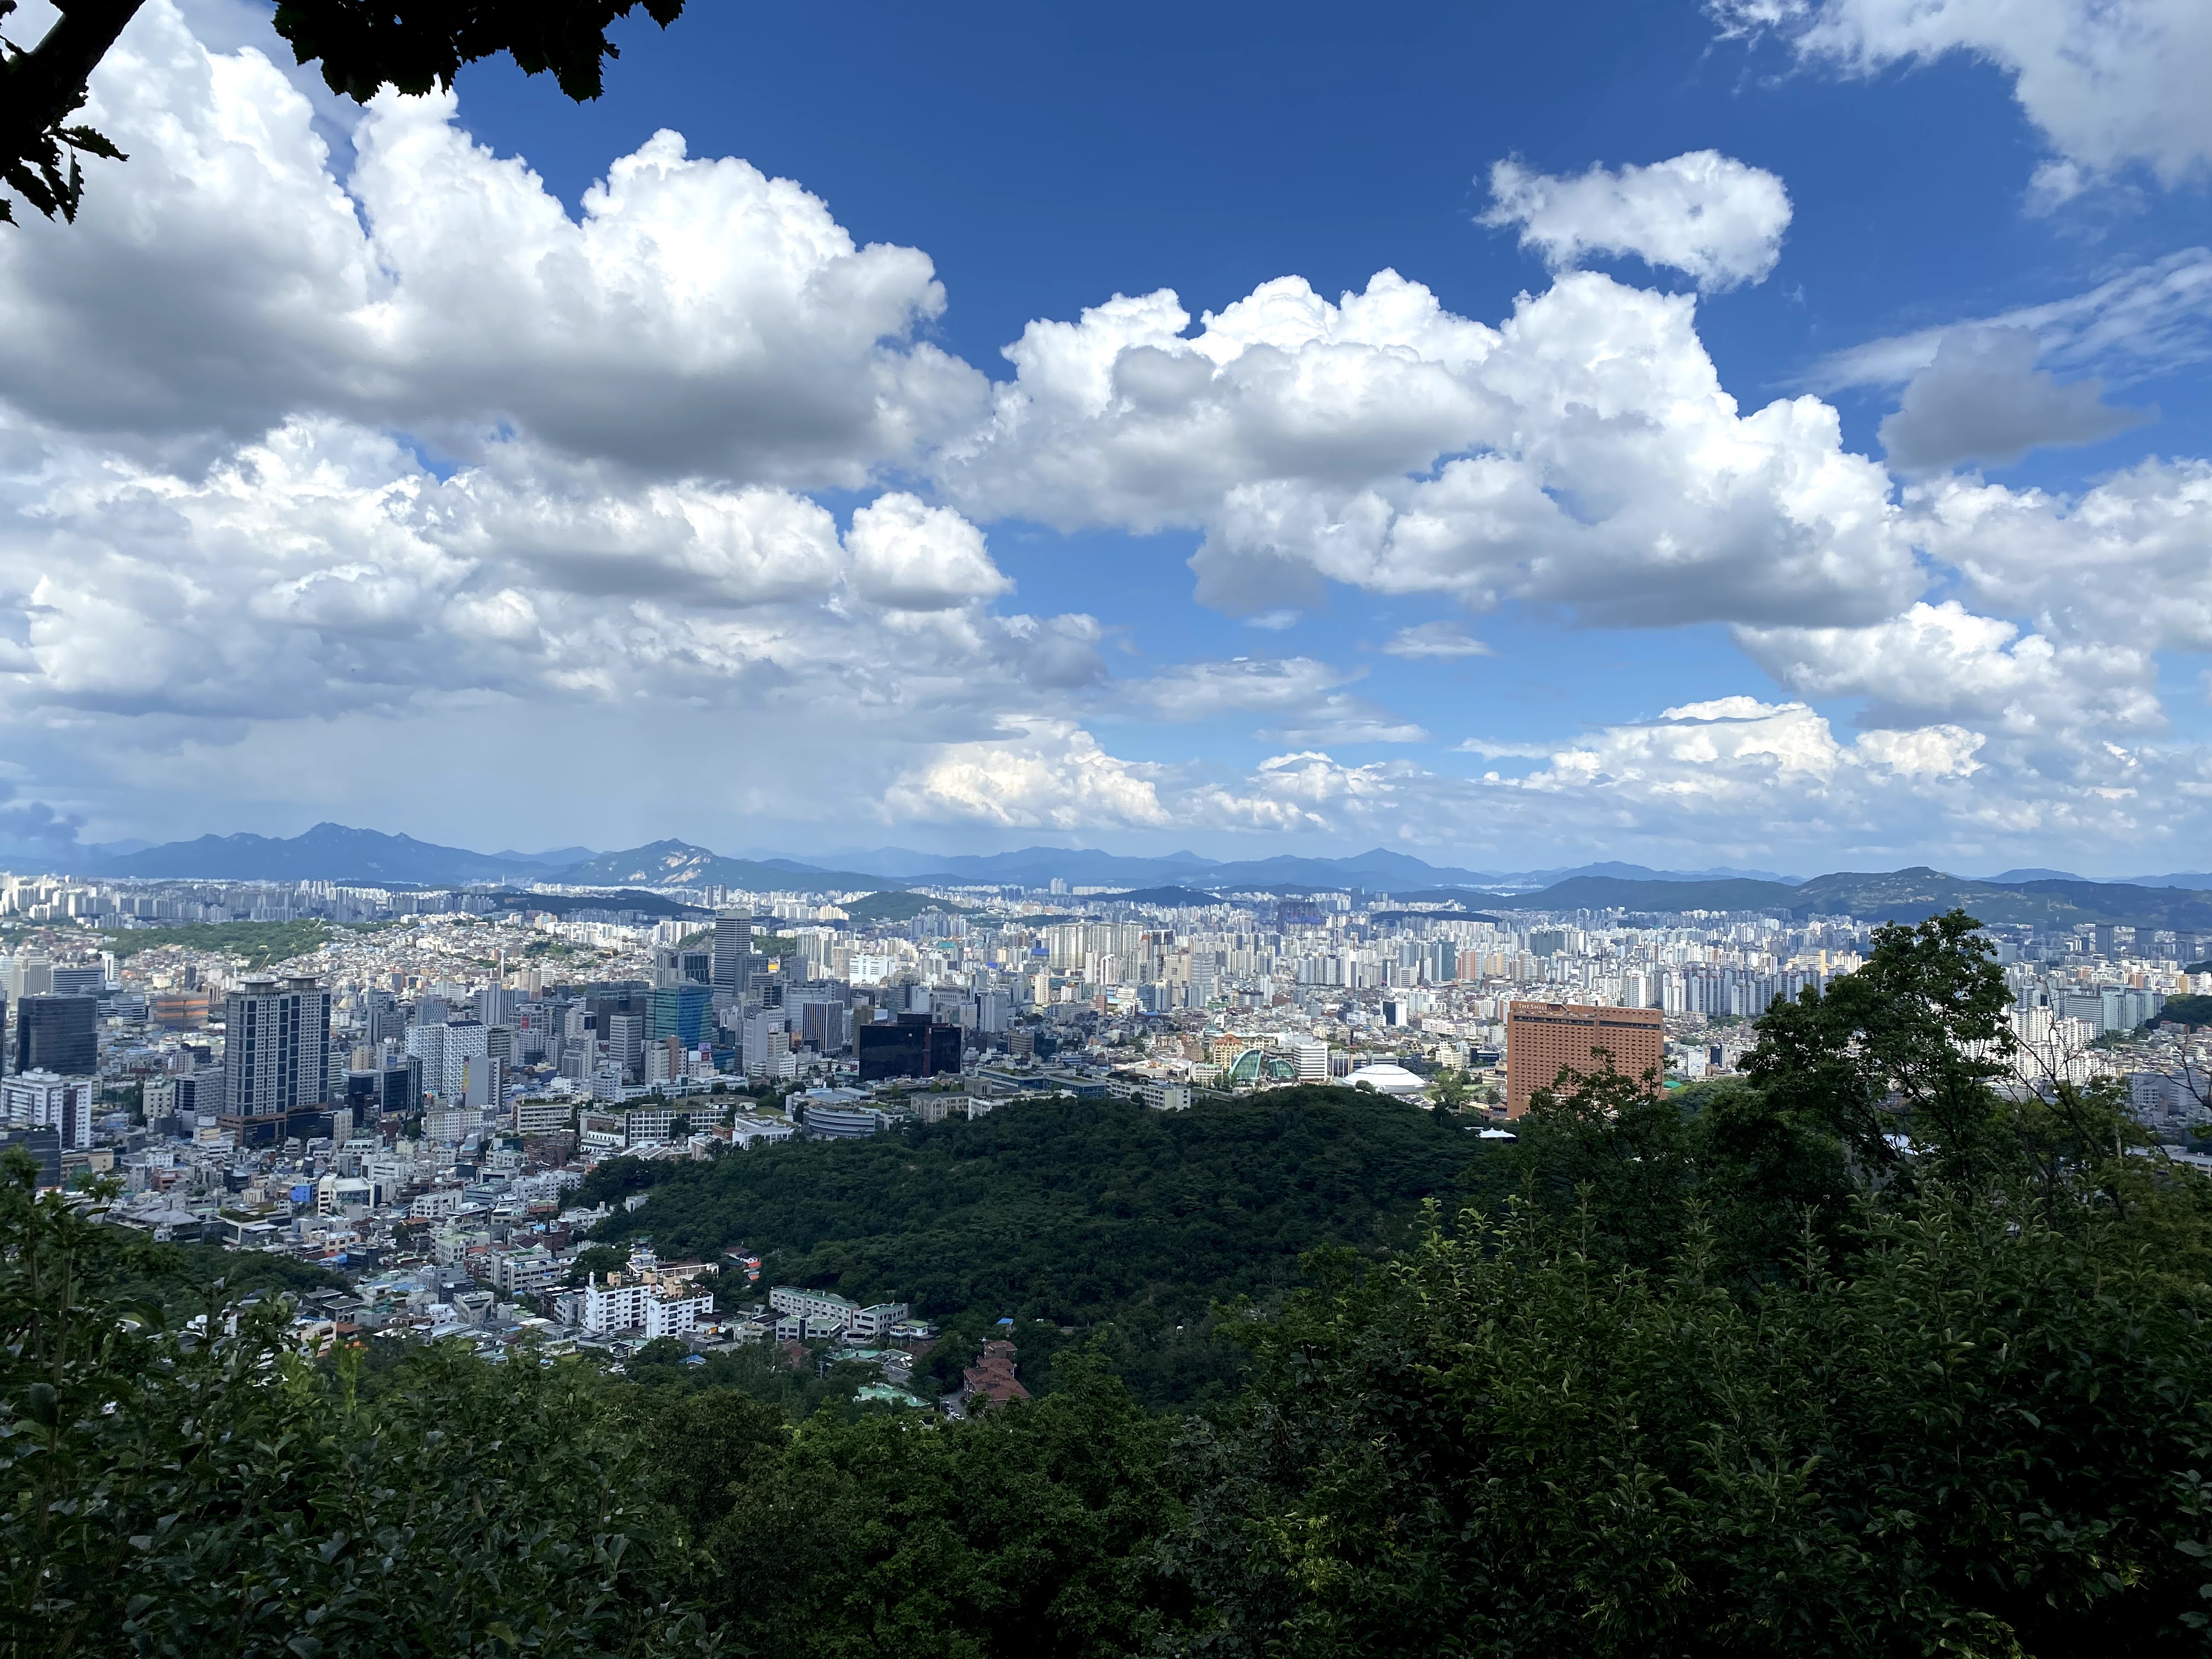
pixel 403 1088
pixel 484 1081
pixel 1543 1039
pixel 495 1005
pixel 625 1040
pixel 275 1048
pixel 676 964
pixel 767 1040
pixel 27 974
pixel 535 1032
pixel 383 1017
pixel 824 1026
pixel 57 1034
pixel 445 1051
pixel 362 1094
pixel 733 950
pixel 685 1010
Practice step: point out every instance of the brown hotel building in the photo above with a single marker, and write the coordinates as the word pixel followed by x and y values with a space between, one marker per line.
pixel 1540 1037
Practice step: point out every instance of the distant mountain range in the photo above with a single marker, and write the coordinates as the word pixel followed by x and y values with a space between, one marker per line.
pixel 1895 896
pixel 328 851
pixel 2197 878
pixel 335 852
pixel 1378 871
pixel 679 864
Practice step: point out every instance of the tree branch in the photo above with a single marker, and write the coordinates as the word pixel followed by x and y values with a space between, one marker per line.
pixel 40 89
pixel 47 84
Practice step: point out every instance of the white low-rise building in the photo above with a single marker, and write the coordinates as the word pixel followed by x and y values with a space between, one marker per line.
pixel 1386 1078
pixel 42 1100
pixel 811 1314
pixel 525 1272
pixel 656 1310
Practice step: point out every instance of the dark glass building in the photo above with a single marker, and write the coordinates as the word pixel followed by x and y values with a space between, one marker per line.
pixel 912 1046
pixel 57 1034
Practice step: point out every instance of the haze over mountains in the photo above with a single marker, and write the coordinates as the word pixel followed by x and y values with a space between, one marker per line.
pixel 335 852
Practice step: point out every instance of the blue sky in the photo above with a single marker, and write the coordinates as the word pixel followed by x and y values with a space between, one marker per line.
pixel 727 534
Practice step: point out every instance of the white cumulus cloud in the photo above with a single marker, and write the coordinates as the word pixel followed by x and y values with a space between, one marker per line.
pixel 912 556
pixel 325 569
pixel 1715 219
pixel 1942 662
pixel 1584 454
pixel 2128 560
pixel 1042 774
pixel 1203 691
pixel 699 317
pixel 2108 82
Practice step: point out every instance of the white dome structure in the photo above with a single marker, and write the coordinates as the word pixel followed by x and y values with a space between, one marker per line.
pixel 1387 1079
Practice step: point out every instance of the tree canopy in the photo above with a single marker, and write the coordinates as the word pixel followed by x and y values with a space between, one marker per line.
pixel 361 46
pixel 1070 1209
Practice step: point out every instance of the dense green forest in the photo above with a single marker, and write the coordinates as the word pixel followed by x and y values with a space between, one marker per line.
pixel 1861 1354
pixel 1061 1209
pixel 2188 1010
pixel 1124 1224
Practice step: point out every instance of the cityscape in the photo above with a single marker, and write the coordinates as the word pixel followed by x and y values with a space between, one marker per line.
pixel 1172 832
pixel 410 1084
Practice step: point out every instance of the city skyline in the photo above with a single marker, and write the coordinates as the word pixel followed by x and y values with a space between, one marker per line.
pixel 1737 437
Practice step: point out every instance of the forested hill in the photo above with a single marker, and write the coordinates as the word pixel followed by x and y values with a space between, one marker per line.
pixel 1064 1210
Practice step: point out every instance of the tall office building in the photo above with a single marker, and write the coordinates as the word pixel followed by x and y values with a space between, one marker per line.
pixel 1542 1039
pixel 684 1011
pixel 382 1017
pixel 678 965
pixel 275 1048
pixel 733 950
pixel 27 974
pixel 821 1024
pixel 484 1081
pixel 625 1040
pixel 57 1034
pixel 401 1088
pixel 495 1005
pixel 767 1040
